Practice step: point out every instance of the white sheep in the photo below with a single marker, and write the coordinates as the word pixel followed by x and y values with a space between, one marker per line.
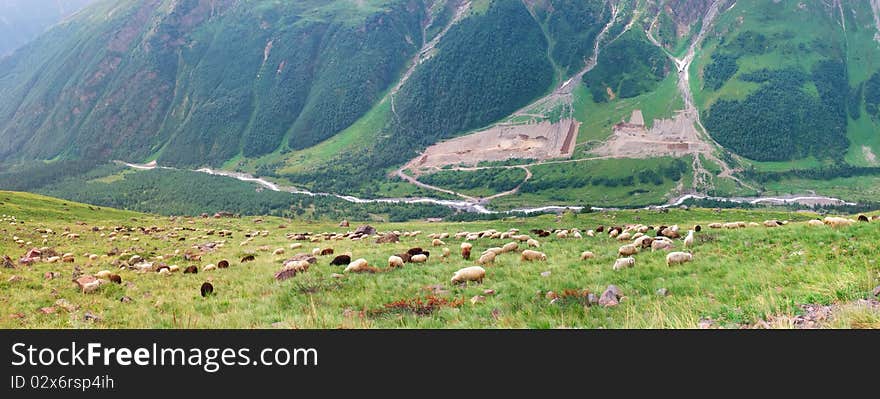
pixel 529 255
pixel 533 243
pixel 622 263
pixel 510 247
pixel 395 261
pixel 358 265
pixel 420 258
pixel 628 250
pixel 587 255
pixel 473 273
pixel 437 243
pixel 674 258
pixel 689 240
pixel 487 258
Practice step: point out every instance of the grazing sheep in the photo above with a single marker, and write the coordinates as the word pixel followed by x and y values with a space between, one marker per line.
pixel 415 251
pixel 316 251
pixel 835 222
pixel 395 261
pixel 295 245
pixel 532 243
pixel 715 225
pixel 209 267
pixel 674 258
pixel 247 258
pixel 103 274
pixel 487 258
pixel 298 265
pixel 628 250
pixel 405 256
pixel 466 250
pixel 419 258
pixel 473 273
pixel 600 229
pixel 697 228
pixel 863 218
pixel 359 265
pixel 622 263
pixel 115 278
pixel 445 253
pixel 731 225
pixel 327 251
pixel 587 255
pixel 437 243
pixel 815 223
pixel 510 247
pixel 562 234
pixel 496 250
pixel 191 270
pixel 624 237
pixel 529 255
pixel 223 264
pixel 577 234
pixel 207 289
pixel 613 233
pixel 341 260
pixel 591 233
pixel 689 240
pixel 670 232
pixel 643 242
pixel 661 245
pixel 279 251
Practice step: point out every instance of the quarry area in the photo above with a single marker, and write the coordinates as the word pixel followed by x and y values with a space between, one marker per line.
pixel 540 141
pixel 667 137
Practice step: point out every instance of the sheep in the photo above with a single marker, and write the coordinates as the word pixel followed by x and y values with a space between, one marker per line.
pixel 207 289
pixel 591 233
pixel 415 251
pixel 316 251
pixel 222 264
pixel 247 258
pixel 496 250
pixel 674 258
pixel 437 243
pixel 731 225
pixel 577 234
pixel 466 250
pixel 327 251
pixel 473 273
pixel 298 265
pixel 395 261
pixel 643 242
pixel 863 218
pixel 815 223
pixel 529 255
pixel 661 245
pixel 103 274
pixel 532 243
pixel 295 245
pixel 191 270
pixel 628 250
pixel 562 234
pixel 715 225
pixel 341 260
pixel 444 236
pixel 587 255
pixel 622 263
pixel 359 265
pixel 487 258
pixel 209 267
pixel 445 253
pixel 115 278
pixel 279 251
pixel 405 256
pixel 697 228
pixel 624 236
pixel 419 258
pixel 689 240
pixel 510 247
pixel 835 222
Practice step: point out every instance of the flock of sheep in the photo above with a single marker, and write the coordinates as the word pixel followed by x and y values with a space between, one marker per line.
pixel 634 238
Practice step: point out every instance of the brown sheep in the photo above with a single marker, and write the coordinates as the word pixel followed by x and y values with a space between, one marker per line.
pixel 415 251
pixel 247 258
pixel 115 278
pixel 327 251
pixel 223 264
pixel 466 250
pixel 191 270
pixel 340 260
pixel 207 289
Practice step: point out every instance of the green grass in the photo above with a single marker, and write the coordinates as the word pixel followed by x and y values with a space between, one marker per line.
pixel 738 276
pixel 861 188
pixel 597 119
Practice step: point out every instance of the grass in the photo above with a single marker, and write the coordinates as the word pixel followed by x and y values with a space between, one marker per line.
pixel 597 119
pixel 860 188
pixel 738 277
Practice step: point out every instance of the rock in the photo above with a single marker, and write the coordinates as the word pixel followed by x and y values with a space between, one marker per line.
pixel 89 316
pixel 705 323
pixel 611 296
pixel 14 279
pixel 51 275
pixel 488 292
pixel 477 299
pixel 47 310
pixel 545 274
pixel 663 292
pixel 66 305
pixel 496 313
pixel 388 238
pixel 592 299
pixel 365 230
pixel 125 299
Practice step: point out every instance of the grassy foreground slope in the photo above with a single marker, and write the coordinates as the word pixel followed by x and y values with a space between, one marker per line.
pixel 742 277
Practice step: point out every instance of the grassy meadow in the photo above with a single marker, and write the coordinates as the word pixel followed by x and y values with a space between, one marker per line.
pixel 746 277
